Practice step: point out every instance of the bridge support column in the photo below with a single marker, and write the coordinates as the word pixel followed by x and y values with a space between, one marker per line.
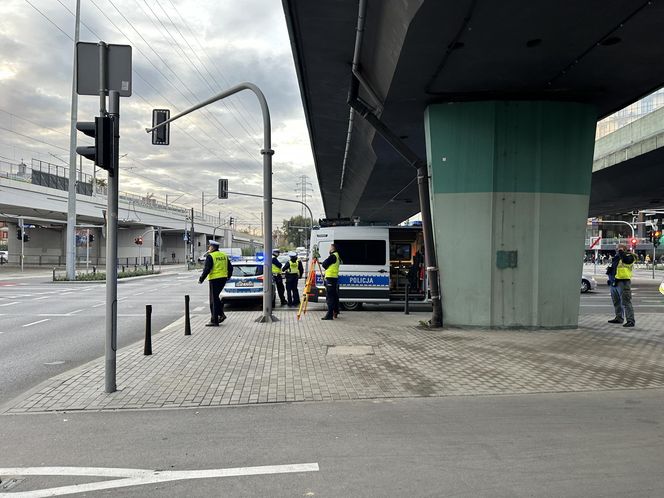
pixel 510 193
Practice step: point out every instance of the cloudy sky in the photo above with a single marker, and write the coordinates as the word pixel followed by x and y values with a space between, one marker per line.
pixel 184 51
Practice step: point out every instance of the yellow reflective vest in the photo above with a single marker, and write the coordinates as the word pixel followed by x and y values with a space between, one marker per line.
pixel 332 271
pixel 624 271
pixel 294 267
pixel 219 265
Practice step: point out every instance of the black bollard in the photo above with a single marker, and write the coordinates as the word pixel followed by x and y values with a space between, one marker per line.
pixel 187 321
pixel 406 309
pixel 148 330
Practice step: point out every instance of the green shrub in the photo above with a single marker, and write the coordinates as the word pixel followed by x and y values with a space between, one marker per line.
pixel 87 277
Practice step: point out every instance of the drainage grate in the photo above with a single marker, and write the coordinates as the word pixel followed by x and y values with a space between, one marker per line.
pixel 349 350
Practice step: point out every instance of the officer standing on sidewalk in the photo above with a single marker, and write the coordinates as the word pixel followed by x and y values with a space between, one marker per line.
pixel 620 280
pixel 278 277
pixel 293 270
pixel 217 269
pixel 331 265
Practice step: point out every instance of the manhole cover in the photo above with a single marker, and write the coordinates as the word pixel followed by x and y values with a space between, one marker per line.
pixel 346 350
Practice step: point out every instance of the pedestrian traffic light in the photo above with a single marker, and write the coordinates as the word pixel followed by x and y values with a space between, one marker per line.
pixel 102 131
pixel 633 241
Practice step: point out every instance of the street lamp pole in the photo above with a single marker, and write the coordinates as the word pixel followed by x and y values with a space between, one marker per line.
pixel 267 154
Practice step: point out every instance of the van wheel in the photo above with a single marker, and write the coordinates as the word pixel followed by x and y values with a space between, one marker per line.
pixel 352 306
pixel 585 286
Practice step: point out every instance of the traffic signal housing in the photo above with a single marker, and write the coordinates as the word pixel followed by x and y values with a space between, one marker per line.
pixel 101 152
pixel 633 241
pixel 657 238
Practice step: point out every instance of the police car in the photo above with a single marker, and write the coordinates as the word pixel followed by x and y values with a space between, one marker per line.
pixel 246 283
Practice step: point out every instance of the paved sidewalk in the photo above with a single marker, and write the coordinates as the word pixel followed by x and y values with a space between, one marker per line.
pixel 363 355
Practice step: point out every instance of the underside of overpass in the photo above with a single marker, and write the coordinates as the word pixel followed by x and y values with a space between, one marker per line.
pixel 500 98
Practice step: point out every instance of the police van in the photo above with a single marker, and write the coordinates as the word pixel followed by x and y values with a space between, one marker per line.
pixel 377 264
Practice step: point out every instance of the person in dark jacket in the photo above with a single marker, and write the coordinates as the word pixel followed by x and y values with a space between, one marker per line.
pixel 620 280
pixel 331 265
pixel 217 270
pixel 278 277
pixel 293 270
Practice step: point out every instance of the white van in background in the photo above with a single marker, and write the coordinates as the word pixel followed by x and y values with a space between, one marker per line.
pixel 377 263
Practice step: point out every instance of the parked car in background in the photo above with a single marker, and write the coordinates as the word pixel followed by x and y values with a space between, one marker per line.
pixel 588 283
pixel 246 283
pixel 4 257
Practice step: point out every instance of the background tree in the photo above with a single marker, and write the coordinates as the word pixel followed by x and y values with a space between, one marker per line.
pixel 291 228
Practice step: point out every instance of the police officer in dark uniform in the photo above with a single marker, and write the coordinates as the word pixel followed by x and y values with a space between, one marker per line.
pixel 278 277
pixel 217 270
pixel 331 265
pixel 293 270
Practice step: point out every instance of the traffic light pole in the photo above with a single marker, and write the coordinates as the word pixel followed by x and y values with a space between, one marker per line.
pixel 112 248
pixel 267 154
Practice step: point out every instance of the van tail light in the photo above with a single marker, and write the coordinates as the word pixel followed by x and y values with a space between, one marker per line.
pixel 260 278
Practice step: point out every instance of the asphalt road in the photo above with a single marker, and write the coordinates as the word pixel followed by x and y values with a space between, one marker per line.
pixel 48 328
pixel 599 444
pixel 646 298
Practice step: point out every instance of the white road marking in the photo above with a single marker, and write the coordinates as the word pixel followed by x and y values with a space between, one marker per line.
pixel 139 293
pixel 53 314
pixel 73 312
pixel 98 305
pixel 200 308
pixel 137 477
pixel 35 323
pixel 9 304
pixel 40 298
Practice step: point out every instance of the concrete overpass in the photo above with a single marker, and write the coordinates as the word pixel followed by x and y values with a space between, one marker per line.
pixel 502 99
pixel 628 167
pixel 139 216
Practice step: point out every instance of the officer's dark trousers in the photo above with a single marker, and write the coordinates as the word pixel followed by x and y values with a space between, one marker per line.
pixel 279 282
pixel 332 296
pixel 291 290
pixel 216 306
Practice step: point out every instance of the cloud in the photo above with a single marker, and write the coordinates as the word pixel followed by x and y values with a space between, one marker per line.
pixel 181 56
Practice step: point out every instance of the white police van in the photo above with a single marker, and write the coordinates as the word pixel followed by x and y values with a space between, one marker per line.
pixel 377 263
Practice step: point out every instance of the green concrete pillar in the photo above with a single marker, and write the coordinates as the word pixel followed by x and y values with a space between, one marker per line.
pixel 510 193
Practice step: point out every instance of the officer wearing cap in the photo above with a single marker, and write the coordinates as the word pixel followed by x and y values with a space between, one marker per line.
pixel 217 269
pixel 277 276
pixel 293 270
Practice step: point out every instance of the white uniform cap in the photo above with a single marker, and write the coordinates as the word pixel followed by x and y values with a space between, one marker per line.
pixel 292 253
pixel 213 243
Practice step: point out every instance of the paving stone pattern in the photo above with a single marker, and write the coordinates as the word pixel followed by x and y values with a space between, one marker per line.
pixel 243 362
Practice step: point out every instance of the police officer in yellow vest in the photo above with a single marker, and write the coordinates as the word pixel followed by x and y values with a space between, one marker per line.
pixel 278 277
pixel 217 270
pixel 293 270
pixel 331 265
pixel 620 280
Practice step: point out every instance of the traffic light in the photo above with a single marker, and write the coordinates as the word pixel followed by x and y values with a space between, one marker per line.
pixel 633 242
pixel 223 188
pixel 26 237
pixel 657 238
pixel 22 235
pixel 91 238
pixel 19 234
pixel 231 220
pixel 161 136
pixel 102 131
